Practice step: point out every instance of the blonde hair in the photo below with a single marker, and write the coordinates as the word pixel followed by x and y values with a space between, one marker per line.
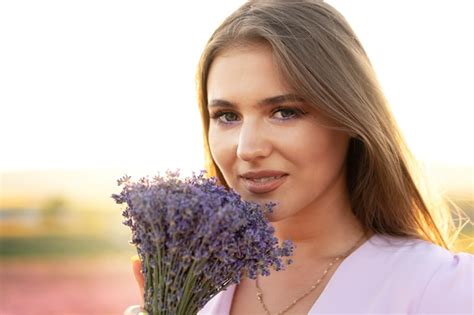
pixel 321 58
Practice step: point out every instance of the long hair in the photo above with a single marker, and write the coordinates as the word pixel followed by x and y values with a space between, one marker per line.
pixel 320 57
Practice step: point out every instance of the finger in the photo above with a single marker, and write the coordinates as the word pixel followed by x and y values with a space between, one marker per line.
pixel 136 266
pixel 134 310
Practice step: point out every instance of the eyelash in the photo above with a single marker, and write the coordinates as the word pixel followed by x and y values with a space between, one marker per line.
pixel 297 114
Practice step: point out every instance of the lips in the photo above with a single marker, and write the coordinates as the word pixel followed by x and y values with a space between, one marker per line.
pixel 264 173
pixel 263 181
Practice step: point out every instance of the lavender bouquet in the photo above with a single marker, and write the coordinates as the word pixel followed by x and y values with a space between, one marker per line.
pixel 195 238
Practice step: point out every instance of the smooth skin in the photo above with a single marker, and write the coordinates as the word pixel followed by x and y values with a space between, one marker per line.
pixel 255 126
pixel 136 268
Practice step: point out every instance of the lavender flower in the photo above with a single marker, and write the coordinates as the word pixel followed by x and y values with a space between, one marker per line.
pixel 195 238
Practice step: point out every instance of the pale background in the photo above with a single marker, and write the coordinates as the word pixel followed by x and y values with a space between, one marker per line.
pixel 91 90
pixel 110 84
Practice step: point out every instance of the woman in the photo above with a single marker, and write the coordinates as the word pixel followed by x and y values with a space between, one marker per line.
pixel 293 113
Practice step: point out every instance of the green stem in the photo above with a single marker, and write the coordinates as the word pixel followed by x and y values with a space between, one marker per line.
pixel 188 288
pixel 148 283
pixel 159 282
pixel 156 280
pixel 160 254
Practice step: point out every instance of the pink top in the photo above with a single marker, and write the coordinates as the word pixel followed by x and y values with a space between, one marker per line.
pixel 389 275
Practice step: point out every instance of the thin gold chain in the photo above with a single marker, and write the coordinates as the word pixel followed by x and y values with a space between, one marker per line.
pixel 314 286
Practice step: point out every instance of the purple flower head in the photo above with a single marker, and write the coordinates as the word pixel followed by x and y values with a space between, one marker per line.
pixel 195 238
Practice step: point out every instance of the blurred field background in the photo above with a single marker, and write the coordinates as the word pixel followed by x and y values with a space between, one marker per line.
pixel 64 250
pixel 93 90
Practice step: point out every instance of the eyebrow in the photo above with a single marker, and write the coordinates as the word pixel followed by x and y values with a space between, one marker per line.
pixel 270 101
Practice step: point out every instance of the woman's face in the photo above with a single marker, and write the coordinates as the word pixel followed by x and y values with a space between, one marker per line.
pixel 257 125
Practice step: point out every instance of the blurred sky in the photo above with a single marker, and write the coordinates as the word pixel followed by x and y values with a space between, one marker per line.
pixel 110 84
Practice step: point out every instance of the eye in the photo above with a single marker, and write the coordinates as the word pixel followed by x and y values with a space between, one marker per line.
pixel 284 113
pixel 289 113
pixel 224 117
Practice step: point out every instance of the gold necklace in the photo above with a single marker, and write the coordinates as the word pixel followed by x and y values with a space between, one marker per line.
pixel 314 286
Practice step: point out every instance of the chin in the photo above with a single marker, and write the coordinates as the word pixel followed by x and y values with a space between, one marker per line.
pixel 273 217
pixel 276 215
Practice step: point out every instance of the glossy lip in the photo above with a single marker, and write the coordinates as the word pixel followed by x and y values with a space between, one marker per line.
pixel 263 173
pixel 263 188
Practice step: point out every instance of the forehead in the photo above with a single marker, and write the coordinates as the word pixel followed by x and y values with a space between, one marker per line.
pixel 245 72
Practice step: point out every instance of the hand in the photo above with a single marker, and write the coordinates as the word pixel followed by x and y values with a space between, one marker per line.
pixel 136 267
pixel 135 310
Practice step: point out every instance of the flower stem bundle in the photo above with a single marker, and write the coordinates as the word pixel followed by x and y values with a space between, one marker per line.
pixel 195 238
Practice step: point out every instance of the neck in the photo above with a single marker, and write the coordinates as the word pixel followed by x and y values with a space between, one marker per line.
pixel 326 229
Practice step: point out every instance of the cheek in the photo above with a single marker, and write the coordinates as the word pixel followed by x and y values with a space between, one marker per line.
pixel 220 147
pixel 324 153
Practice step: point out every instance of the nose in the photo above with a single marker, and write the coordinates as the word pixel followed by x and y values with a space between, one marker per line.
pixel 253 142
